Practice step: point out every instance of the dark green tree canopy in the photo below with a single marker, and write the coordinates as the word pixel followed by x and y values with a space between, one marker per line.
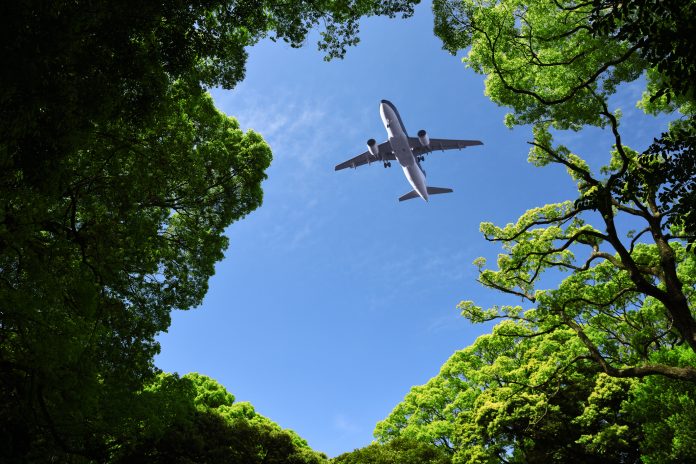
pixel 662 30
pixel 68 66
pixel 92 270
pixel 205 425
pixel 118 177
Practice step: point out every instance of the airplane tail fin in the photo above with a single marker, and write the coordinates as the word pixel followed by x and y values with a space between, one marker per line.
pixel 431 191
pixel 437 190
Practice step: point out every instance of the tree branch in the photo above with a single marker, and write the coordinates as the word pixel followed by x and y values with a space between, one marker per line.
pixel 680 373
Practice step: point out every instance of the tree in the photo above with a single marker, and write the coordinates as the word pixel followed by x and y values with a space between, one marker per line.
pixel 91 275
pixel 603 43
pixel 662 30
pixel 601 367
pixel 399 450
pixel 206 426
pixel 71 66
pixel 663 408
pixel 512 397
pixel 118 178
pixel 628 297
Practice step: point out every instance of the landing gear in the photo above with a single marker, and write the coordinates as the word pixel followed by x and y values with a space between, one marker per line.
pixel 387 164
pixel 421 158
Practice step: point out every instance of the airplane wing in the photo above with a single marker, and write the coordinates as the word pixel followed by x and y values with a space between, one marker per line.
pixel 439 144
pixel 385 154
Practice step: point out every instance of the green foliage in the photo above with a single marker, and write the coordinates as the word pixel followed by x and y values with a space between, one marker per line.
pixel 601 366
pixel 520 395
pixel 540 60
pixel 93 264
pixel 626 296
pixel 663 31
pixel 664 408
pixel 397 451
pixel 118 178
pixel 206 426
pixel 555 66
pixel 667 169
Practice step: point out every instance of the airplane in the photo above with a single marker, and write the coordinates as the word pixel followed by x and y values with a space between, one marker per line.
pixel 408 151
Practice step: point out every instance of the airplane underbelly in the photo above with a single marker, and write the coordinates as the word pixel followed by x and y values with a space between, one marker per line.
pixel 416 178
pixel 402 150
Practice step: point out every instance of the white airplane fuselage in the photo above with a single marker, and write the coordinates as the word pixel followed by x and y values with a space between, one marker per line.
pixel 398 139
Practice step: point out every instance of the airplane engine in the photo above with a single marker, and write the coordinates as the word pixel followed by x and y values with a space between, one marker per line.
pixel 423 137
pixel 373 147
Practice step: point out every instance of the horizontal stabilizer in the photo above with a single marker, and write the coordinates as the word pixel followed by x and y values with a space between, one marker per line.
pixel 431 191
pixel 436 190
pixel 410 195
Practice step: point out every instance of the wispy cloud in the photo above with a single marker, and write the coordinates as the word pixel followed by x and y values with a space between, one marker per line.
pixel 295 130
pixel 302 135
pixel 441 263
pixel 303 130
pixel 344 425
pixel 452 321
pixel 392 271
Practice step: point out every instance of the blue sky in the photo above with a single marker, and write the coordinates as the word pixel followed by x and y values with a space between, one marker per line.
pixel 333 298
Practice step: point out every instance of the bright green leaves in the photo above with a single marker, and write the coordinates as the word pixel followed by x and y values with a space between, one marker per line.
pixel 541 239
pixel 517 392
pixel 477 314
pixel 543 153
pixel 604 301
pixel 604 408
pixel 209 393
pixel 527 395
pixel 544 62
pixel 541 60
pixel 598 299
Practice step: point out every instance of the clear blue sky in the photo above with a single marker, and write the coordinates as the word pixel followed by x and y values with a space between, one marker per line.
pixel 333 298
